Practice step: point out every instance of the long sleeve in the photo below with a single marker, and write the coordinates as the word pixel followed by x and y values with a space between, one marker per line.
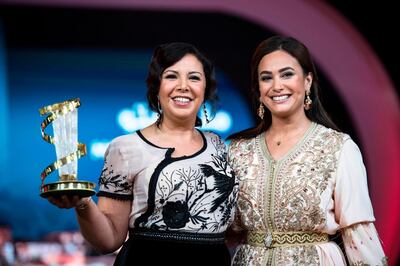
pixel 353 209
pixel 363 245
pixel 352 202
pixel 231 158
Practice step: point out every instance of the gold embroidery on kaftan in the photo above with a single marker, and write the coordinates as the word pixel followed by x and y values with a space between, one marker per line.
pixel 301 180
pixel 284 195
pixel 299 255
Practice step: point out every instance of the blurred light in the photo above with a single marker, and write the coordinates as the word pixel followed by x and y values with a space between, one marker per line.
pixel 98 148
pixel 140 116
pixel 221 123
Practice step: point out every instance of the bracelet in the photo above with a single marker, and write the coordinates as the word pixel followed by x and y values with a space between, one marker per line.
pixel 83 204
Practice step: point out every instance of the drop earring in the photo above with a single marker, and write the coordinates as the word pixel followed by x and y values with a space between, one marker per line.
pixel 205 113
pixel 307 101
pixel 261 111
pixel 159 112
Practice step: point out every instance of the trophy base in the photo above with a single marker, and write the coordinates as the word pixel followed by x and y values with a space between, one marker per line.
pixel 69 188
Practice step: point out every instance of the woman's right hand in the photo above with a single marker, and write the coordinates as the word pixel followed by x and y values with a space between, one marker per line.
pixel 68 202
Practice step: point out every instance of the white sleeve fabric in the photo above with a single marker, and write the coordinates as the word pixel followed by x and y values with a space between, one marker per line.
pixel 352 202
pixel 353 209
pixel 362 245
pixel 232 157
pixel 116 177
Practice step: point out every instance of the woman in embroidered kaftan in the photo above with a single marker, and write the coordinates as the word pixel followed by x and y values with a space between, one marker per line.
pixel 301 180
pixel 167 186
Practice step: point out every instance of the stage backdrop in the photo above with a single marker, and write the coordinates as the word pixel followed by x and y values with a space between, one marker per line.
pixel 340 52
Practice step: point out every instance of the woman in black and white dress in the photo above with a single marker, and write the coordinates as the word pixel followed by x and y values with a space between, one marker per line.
pixel 167 186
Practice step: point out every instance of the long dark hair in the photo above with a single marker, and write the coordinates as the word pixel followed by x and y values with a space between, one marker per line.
pixel 166 55
pixel 299 51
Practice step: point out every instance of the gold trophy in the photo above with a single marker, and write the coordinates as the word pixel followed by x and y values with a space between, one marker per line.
pixel 64 117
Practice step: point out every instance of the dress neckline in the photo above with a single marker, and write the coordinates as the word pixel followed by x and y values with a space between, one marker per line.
pixel 170 150
pixel 267 153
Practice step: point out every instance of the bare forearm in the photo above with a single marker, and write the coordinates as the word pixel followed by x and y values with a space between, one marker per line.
pixel 99 229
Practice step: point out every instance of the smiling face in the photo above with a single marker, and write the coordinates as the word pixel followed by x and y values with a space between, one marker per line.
pixel 182 89
pixel 282 84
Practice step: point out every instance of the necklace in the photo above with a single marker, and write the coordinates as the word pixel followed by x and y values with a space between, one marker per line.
pixel 279 142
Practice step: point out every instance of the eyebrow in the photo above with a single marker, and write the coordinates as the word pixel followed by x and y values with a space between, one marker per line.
pixel 176 72
pixel 280 70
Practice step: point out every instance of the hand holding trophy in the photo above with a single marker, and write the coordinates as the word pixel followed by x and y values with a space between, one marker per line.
pixel 64 117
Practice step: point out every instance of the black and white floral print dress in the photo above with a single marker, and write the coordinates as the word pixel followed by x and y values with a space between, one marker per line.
pixel 183 196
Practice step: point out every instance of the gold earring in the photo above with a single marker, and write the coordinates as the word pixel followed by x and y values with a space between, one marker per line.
pixel 261 111
pixel 307 101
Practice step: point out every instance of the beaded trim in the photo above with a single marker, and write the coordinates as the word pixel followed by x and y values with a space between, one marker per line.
pixel 184 237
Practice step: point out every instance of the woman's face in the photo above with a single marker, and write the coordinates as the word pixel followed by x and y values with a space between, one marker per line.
pixel 282 84
pixel 182 89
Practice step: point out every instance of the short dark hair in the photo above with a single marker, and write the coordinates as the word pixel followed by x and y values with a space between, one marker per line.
pixel 166 55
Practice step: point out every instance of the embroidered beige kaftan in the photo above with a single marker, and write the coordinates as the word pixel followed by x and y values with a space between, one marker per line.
pixel 319 186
